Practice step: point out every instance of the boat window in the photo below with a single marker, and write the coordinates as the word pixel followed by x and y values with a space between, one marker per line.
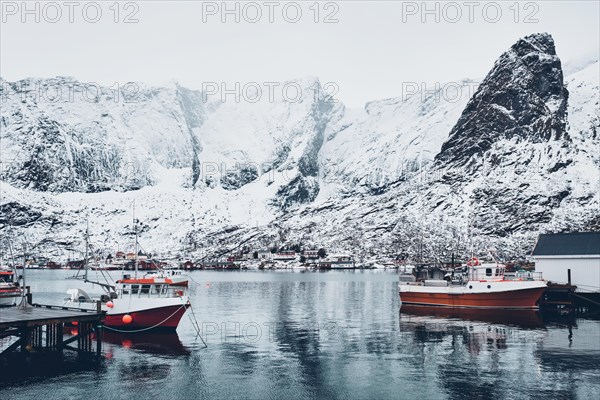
pixel 145 288
pixel 135 289
pixel 488 272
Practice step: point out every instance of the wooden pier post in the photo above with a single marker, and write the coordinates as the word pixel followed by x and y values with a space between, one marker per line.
pixel 28 295
pixel 98 331
pixel 570 294
pixel 59 338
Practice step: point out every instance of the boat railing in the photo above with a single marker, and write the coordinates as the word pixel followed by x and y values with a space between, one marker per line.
pixel 150 291
pixel 523 276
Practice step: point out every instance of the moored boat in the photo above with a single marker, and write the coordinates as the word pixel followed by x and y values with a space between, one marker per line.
pixel 485 286
pixel 134 303
pixel 136 307
pixel 173 277
pixel 10 291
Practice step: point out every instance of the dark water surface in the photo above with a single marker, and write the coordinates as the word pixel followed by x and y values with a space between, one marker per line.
pixel 334 335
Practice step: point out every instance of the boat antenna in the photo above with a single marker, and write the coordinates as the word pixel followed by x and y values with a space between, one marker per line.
pixel 87 244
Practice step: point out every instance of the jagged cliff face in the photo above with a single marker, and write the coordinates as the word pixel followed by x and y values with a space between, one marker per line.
pixel 518 156
pixel 510 153
pixel 522 99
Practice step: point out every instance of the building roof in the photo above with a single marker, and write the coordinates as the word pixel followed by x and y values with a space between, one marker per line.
pixel 567 244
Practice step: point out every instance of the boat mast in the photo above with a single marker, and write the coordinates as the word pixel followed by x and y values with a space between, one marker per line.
pixel 136 241
pixel 24 263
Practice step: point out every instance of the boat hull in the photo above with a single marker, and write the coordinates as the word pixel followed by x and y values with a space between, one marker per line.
pixel 163 318
pixel 147 313
pixel 513 299
pixel 9 296
pixel 181 282
pixel 8 301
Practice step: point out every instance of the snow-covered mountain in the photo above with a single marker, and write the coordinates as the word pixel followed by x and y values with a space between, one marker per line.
pixel 432 172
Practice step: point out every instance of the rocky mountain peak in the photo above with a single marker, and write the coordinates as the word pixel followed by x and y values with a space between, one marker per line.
pixel 536 42
pixel 522 98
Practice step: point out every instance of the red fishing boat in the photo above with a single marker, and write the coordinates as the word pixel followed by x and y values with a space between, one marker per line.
pixel 484 286
pixel 134 303
pixel 137 306
pixel 173 277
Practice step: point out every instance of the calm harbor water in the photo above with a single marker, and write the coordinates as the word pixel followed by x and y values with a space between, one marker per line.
pixel 293 335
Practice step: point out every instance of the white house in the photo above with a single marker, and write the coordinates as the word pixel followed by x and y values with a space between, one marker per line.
pixel 311 254
pixel 264 255
pixel 556 253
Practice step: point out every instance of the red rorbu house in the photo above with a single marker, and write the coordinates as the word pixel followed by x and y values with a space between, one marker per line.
pixel 188 265
pixel 75 264
pixel 53 265
pixel 147 265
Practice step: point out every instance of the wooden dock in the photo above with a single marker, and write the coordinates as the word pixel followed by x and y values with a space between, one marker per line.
pixel 39 328
pixel 565 299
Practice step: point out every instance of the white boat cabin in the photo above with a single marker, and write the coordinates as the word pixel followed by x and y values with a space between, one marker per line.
pixel 148 289
pixel 487 272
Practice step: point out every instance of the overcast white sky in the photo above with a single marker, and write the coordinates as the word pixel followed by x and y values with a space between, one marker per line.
pixel 369 53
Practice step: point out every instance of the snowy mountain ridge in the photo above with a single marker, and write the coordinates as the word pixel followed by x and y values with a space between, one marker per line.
pixel 493 168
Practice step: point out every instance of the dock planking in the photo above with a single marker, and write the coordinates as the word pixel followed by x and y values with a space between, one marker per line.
pixel 41 315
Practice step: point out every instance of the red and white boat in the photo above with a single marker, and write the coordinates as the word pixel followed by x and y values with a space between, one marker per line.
pixel 136 306
pixel 132 303
pixel 10 291
pixel 172 277
pixel 485 286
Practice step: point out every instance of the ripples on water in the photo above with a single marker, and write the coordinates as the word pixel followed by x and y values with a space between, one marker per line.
pixel 275 335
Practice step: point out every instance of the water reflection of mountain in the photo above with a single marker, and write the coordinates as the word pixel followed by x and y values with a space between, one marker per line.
pixel 299 339
pixel 470 350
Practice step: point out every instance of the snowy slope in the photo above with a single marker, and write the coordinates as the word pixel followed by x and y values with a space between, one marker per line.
pixel 60 135
pixel 391 138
